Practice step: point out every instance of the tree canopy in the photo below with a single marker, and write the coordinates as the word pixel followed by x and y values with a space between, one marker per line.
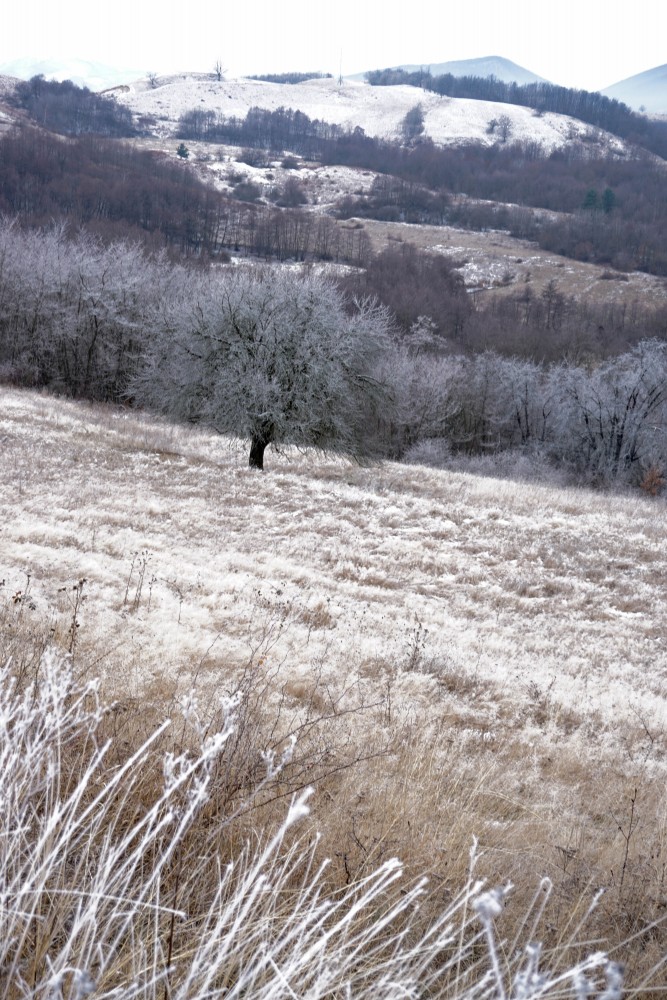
pixel 272 356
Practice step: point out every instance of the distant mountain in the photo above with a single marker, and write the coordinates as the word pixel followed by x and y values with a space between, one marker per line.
pixel 502 69
pixel 646 90
pixel 95 76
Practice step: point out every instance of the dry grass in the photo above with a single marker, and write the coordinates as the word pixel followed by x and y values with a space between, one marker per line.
pixel 491 665
pixel 410 792
pixel 489 258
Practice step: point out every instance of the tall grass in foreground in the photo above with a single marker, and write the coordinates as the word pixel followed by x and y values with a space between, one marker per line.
pixel 121 877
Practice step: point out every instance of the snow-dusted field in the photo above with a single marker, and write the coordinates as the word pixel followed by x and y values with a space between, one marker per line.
pixel 377 110
pixel 194 565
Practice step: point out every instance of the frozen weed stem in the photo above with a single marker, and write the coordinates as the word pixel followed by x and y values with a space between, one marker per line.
pixel 93 835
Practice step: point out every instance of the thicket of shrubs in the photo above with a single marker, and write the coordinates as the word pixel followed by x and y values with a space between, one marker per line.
pixel 282 129
pixel 294 77
pixel 110 188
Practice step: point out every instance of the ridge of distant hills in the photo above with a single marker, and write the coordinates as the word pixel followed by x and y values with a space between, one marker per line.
pixel 645 91
pixel 503 69
pixel 82 72
pixel 379 111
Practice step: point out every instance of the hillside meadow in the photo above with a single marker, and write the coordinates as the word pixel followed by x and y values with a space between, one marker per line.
pixel 459 660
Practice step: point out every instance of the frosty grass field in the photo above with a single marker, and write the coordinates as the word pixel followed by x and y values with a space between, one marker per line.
pixel 462 656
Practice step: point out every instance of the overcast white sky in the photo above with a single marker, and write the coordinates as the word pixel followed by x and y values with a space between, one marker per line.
pixel 578 43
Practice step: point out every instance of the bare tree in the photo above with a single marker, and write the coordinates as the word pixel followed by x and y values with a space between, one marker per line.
pixel 424 393
pixel 505 127
pixel 218 69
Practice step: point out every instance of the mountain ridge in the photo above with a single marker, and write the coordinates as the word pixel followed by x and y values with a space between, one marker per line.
pixel 82 72
pixel 498 66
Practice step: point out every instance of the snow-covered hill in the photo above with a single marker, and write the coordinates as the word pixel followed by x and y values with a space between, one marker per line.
pixel 377 110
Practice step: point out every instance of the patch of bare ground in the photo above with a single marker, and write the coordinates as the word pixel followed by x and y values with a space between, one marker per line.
pixel 495 263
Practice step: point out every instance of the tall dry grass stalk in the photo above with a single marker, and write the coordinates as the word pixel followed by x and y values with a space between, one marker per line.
pixel 122 877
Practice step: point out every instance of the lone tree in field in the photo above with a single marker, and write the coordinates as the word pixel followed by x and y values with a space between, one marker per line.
pixel 274 357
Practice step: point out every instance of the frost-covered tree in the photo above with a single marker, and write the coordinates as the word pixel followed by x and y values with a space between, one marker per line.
pixel 74 311
pixel 425 390
pixel 613 420
pixel 501 403
pixel 272 356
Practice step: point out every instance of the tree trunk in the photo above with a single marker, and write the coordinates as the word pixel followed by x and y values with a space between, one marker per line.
pixel 257 446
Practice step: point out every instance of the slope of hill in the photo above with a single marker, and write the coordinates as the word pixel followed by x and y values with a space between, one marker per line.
pixel 498 66
pixel 378 110
pixel 646 90
pixel 460 656
pixel 530 587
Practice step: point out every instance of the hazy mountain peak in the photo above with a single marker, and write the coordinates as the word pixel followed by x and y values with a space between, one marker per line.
pixel 647 90
pixel 82 72
pixel 503 69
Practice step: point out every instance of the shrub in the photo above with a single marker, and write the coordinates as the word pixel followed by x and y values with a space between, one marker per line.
pixel 247 191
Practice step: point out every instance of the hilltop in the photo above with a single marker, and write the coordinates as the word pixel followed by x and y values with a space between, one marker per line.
pixel 379 111
pixel 83 72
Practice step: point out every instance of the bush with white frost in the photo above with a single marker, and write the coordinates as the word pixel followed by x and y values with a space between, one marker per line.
pixel 611 421
pixel 103 893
